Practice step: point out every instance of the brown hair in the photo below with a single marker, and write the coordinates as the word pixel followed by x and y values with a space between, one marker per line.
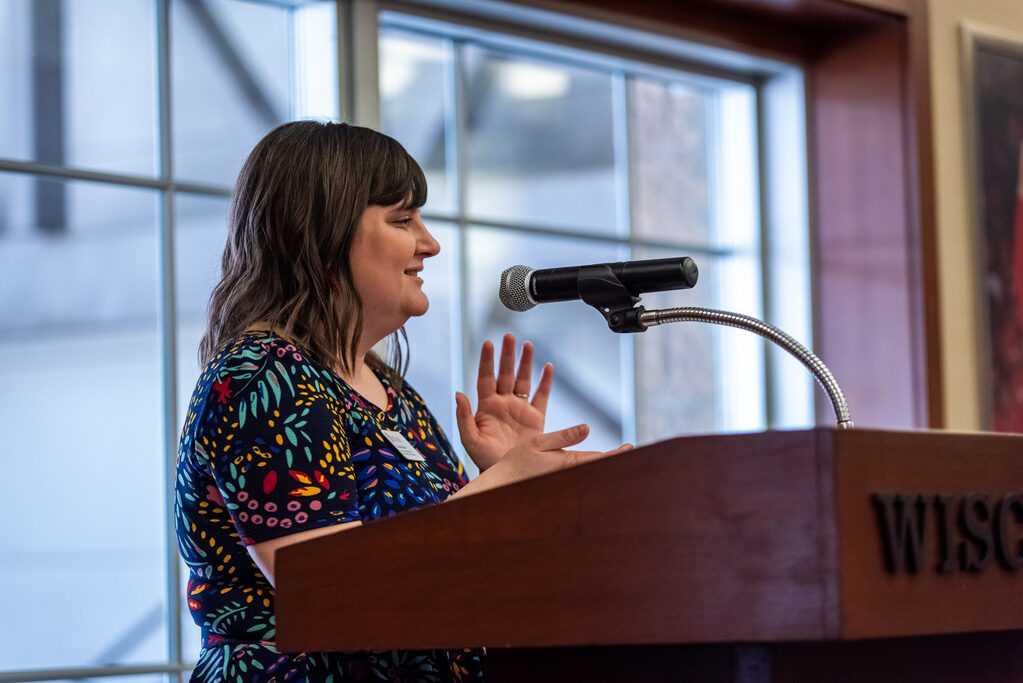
pixel 294 213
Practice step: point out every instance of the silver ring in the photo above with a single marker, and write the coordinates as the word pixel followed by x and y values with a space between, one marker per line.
pixel 525 396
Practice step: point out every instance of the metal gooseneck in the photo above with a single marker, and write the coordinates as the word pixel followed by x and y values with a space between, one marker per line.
pixel 767 331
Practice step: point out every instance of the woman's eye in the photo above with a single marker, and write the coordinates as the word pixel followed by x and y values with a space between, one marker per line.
pixel 404 222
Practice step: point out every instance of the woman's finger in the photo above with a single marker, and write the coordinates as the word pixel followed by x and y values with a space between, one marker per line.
pixel 485 383
pixel 563 438
pixel 506 366
pixel 579 457
pixel 524 378
pixel 543 391
pixel 621 449
pixel 468 432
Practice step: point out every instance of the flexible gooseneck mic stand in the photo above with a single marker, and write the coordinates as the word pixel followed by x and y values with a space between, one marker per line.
pixel 599 287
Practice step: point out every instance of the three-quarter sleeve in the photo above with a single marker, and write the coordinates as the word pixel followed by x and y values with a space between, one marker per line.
pixel 275 444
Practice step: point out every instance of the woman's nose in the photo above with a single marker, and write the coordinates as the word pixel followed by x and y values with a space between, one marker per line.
pixel 428 244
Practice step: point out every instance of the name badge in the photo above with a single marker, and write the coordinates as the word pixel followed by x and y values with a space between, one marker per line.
pixel 404 447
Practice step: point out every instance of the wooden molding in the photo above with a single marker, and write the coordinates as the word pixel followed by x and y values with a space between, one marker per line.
pixel 900 7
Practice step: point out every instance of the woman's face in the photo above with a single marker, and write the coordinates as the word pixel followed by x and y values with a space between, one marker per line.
pixel 388 252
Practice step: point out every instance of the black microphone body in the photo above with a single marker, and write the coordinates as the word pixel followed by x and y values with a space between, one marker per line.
pixel 653 275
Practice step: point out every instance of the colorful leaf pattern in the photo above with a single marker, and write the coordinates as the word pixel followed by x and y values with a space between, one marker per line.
pixel 275 443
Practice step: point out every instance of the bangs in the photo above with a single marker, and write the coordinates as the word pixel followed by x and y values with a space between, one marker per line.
pixel 397 179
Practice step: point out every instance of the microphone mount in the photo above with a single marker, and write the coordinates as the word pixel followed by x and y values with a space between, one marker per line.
pixel 600 288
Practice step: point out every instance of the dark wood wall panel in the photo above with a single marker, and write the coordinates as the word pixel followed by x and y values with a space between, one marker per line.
pixel 923 213
pixel 866 316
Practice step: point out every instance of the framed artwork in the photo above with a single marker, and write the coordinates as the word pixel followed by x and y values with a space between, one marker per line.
pixel 993 76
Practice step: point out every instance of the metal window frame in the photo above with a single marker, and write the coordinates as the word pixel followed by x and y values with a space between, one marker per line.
pixel 559 43
pixel 168 188
pixel 621 68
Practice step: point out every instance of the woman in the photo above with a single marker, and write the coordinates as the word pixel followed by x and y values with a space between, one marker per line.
pixel 297 428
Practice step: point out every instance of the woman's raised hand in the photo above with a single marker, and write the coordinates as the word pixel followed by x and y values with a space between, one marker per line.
pixel 505 416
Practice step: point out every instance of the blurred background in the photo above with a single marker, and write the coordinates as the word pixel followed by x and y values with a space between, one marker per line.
pixel 122 126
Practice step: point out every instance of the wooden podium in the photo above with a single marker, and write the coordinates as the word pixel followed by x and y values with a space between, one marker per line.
pixel 781 556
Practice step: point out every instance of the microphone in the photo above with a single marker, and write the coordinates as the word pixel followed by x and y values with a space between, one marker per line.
pixel 522 287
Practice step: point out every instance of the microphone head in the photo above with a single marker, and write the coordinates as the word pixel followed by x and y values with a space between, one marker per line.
pixel 514 290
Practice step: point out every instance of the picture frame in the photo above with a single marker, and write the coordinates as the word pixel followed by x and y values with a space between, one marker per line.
pixel 993 107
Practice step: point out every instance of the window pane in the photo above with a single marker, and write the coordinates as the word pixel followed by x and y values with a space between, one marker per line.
pixel 82 492
pixel 232 80
pixel 200 231
pixel 540 142
pixel 588 374
pixel 669 147
pixel 414 87
pixel 676 364
pixel 79 82
pixel 697 377
pixel 434 340
pixel 316 60
pixel 735 190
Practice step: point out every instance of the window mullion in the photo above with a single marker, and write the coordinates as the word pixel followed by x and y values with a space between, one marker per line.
pixel 168 331
pixel 294 91
pixel 766 298
pixel 362 35
pixel 458 121
pixel 345 70
pixel 623 190
pixel 712 150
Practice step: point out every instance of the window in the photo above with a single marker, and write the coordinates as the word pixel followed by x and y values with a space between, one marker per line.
pixel 121 131
pixel 547 156
pixel 122 126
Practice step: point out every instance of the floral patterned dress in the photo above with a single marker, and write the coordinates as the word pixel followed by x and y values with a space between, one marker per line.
pixel 275 443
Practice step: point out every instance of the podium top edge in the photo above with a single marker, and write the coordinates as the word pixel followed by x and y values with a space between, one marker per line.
pixel 821 429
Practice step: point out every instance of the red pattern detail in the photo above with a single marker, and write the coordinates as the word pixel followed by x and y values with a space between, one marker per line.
pixel 222 389
pixel 213 495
